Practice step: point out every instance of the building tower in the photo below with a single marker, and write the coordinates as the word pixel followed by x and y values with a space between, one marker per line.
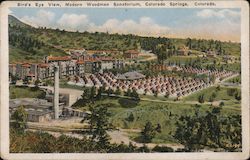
pixel 56 91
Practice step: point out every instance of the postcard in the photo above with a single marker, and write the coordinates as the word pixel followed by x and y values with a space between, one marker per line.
pixel 121 80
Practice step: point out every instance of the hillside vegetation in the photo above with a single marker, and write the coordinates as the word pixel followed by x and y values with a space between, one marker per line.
pixel 32 44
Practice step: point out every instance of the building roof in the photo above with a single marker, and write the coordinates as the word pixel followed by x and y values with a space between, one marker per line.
pixel 106 58
pixel 130 76
pixel 80 62
pixel 131 52
pixel 12 65
pixel 43 65
pixel 25 65
pixel 59 58
pixel 90 59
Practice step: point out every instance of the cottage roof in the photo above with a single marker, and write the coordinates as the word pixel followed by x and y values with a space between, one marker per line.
pixel 131 52
pixel 130 76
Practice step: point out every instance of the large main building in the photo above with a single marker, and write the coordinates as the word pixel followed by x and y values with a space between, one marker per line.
pixel 68 65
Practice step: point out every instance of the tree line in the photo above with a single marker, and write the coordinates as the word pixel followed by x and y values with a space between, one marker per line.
pixel 25 42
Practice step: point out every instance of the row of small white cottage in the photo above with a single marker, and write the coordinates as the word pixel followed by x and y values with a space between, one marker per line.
pixel 162 85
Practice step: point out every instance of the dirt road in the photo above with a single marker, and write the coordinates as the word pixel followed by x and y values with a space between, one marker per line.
pixel 122 137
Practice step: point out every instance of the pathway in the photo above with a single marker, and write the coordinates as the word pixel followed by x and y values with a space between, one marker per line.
pixel 118 137
pixel 122 136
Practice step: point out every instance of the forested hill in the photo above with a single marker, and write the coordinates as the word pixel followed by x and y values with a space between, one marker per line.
pixel 13 21
pixel 28 43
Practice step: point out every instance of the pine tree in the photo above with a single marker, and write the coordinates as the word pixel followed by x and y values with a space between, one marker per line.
pixel 131 117
pixel 148 132
pixel 99 125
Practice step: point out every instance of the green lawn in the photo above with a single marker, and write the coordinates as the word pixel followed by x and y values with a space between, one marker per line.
pixel 25 92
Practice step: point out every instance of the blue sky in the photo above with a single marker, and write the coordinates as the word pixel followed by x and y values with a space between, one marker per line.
pixel 222 24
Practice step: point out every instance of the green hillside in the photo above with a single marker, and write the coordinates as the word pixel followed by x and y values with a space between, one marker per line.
pixel 32 44
pixel 13 21
pixel 25 45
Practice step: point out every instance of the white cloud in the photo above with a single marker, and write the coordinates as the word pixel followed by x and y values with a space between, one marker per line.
pixel 224 13
pixel 42 18
pixel 73 22
pixel 145 26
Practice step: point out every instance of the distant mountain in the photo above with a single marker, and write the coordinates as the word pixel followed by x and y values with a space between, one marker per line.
pixel 13 21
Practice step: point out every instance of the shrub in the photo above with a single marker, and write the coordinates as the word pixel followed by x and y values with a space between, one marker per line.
pixel 130 118
pixel 201 98
pixel 127 103
pixel 162 149
pixel 144 148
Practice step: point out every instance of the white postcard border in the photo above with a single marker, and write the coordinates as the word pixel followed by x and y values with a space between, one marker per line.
pixel 113 156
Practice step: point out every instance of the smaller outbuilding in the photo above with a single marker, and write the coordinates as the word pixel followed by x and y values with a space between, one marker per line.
pixel 130 76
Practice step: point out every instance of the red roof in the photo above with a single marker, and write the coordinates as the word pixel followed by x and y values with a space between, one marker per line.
pixel 132 52
pixel 26 65
pixel 59 58
pixel 80 62
pixel 43 65
pixel 90 59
